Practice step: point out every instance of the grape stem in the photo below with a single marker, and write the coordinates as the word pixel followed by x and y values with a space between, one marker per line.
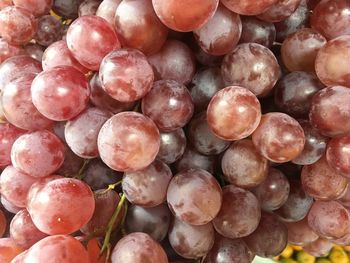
pixel 80 174
pixel 111 223
pixel 112 187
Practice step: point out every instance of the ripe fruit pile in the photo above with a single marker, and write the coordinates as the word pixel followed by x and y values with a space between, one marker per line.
pixel 159 131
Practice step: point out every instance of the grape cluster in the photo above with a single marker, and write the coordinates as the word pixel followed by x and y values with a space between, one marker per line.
pixel 155 131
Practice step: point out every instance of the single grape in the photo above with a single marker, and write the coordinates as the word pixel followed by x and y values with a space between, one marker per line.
pixel 8 50
pixel 9 250
pixel 49 210
pixel 34 50
pixel 270 238
pixel 174 61
pixel 37 8
pixel 66 8
pixel 194 196
pixel 191 159
pixel 23 231
pixel 90 39
pixel 191 241
pixel 280 10
pixel 172 146
pixel 17 25
pixel 338 156
pixel 49 30
pixel 107 10
pixel 60 93
pixel 319 248
pixel 168 104
pixel 138 247
pixel 126 75
pixel 252 66
pixel 39 184
pixel 88 7
pixel 128 141
pixel 153 221
pixel 8 135
pixel 184 15
pixel 300 233
pixel 147 187
pixel 3 223
pixel 243 165
pixel 38 153
pixel 248 7
pixel 239 215
pixel 139 27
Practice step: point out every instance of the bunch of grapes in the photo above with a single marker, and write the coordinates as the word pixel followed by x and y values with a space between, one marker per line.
pixel 155 131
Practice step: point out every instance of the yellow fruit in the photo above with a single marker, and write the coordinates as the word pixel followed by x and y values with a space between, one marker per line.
pixel 297 248
pixel 347 248
pixel 338 255
pixel 287 252
pixel 287 260
pixel 304 257
pixel 323 260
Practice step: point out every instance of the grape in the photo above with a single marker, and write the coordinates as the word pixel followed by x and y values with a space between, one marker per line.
pixel 105 204
pixel 194 196
pixel 153 221
pixel 102 100
pixel 315 145
pixel 126 75
pixel 93 248
pixel 329 219
pixel 9 250
pixel 57 248
pixel 319 248
pixel 221 33
pixel 147 187
pixel 82 131
pixel 172 146
pixel 338 156
pixel 8 50
pixel 48 206
pixel 88 7
pixel 9 207
pixel 39 184
pixel 280 11
pixel 294 92
pixel 128 141
pixel 191 241
pixel 18 106
pixel 174 61
pixel 90 39
pixel 297 20
pixel 15 185
pixel 332 62
pixel 239 215
pixel 321 182
pixel 99 176
pixel 107 10
pixel 66 8
pixel 192 159
pixel 331 18
pixel 206 59
pixel 299 50
pixel 270 238
pixel 297 205
pixel 233 103
pixel 71 165
pixel 184 15
pixel 23 231
pixel 248 7
pixel 60 93
pixel 257 31
pixel 36 7
pixel 273 192
pixel 252 66
pixel 300 233
pixel 25 25
pixel 16 67
pixel 58 54
pixel 38 153
pixel 168 104
pixel 3 223
pixel 202 138
pixel 49 30
pixel 8 135
pixel 243 165
pixel 139 27
pixel 204 85
pixel 35 51
pixel 279 137
pixel 138 247
pixel 330 112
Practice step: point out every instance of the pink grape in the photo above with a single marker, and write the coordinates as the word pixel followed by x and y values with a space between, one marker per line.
pixel 248 7
pixel 300 233
pixel 319 248
pixel 338 156
pixel 280 10
pixel 107 10
pixel 37 7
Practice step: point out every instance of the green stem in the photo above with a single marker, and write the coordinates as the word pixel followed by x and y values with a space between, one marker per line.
pixel 111 224
pixel 112 186
pixel 80 174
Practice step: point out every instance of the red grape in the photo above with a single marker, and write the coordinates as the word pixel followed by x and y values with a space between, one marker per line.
pixel 107 10
pixel 8 135
pixel 36 7
pixel 88 7
pixel 138 247
pixel 338 155
pixel 280 11
pixel 60 93
pixel 300 233
pixel 184 15
pixel 129 141
pixel 126 75
pixel 8 50
pixel 139 27
pixel 49 30
pixel 147 187
pixel 319 248
pixel 38 153
pixel 248 7
pixel 172 146
pixel 49 209
pixel 90 39
pixel 9 250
